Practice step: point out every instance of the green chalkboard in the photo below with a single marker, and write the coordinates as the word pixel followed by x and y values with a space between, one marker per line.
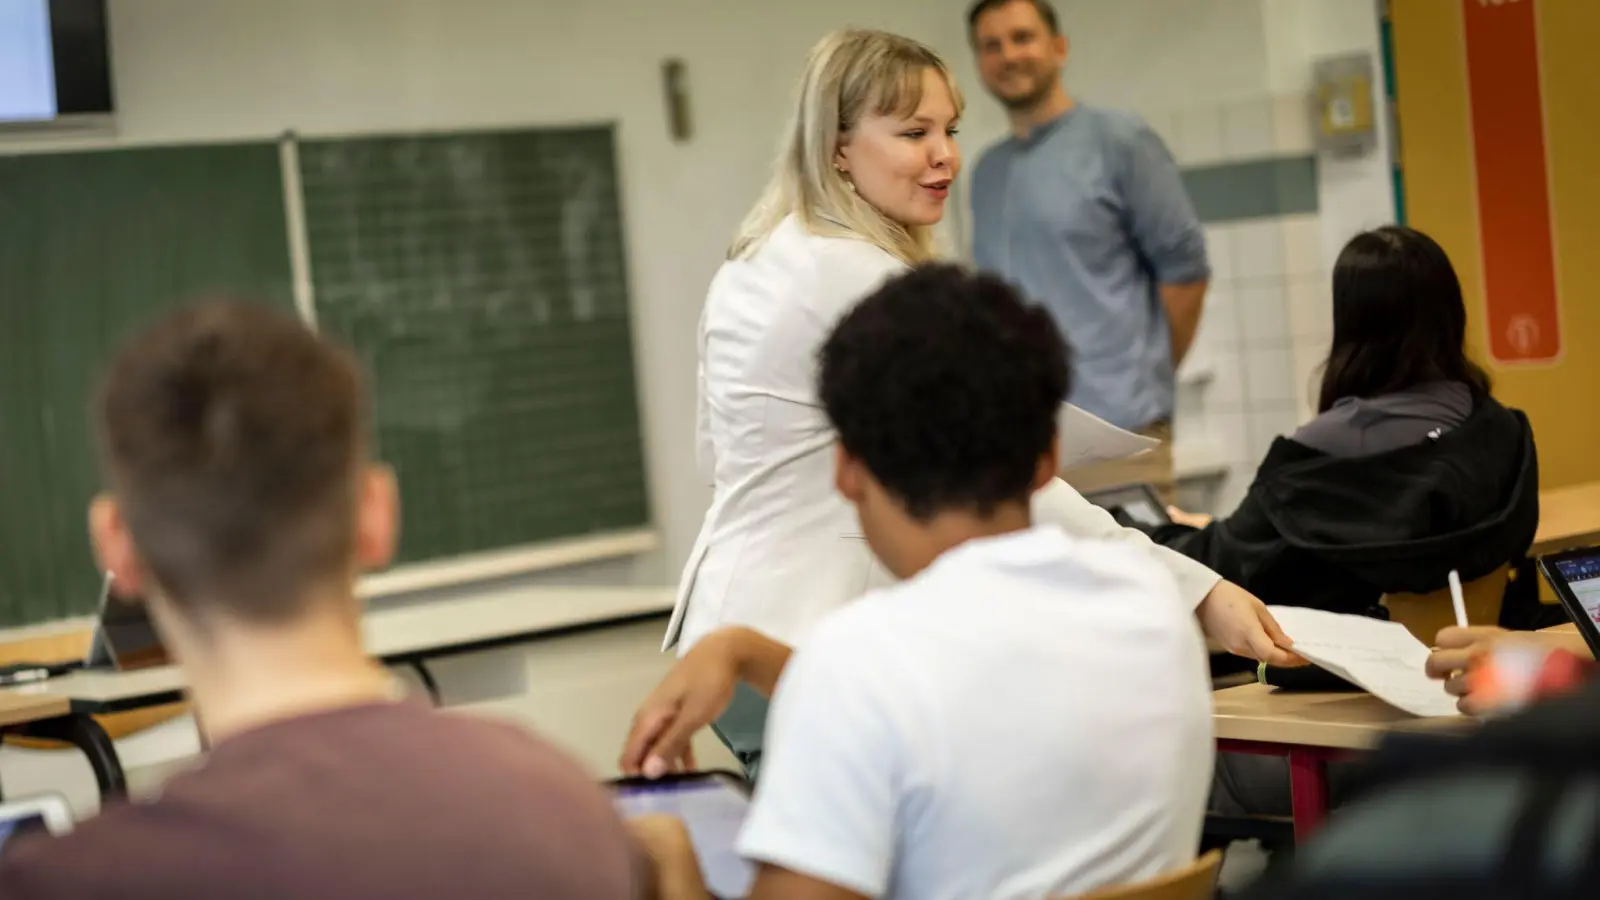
pixel 481 278
pixel 93 245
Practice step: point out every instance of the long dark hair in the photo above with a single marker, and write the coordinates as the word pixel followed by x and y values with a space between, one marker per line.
pixel 1398 319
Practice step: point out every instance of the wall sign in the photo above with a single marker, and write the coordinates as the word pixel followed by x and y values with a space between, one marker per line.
pixel 1513 181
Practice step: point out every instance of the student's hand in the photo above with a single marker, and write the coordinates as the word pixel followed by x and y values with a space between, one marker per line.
pixel 675 870
pixel 692 696
pixel 1235 620
pixel 1193 520
pixel 1454 651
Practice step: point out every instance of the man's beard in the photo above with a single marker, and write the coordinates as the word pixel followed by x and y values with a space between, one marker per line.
pixel 1031 98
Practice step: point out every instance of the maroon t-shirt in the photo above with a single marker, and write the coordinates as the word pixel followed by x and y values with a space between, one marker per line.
pixel 381 802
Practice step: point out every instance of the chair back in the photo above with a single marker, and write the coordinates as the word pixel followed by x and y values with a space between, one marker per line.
pixel 1196 881
pixel 1424 614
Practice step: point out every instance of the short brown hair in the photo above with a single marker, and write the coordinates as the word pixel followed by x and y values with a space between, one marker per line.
pixel 1046 12
pixel 233 437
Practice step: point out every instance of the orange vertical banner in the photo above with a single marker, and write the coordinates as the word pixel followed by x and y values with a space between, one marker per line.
pixel 1502 46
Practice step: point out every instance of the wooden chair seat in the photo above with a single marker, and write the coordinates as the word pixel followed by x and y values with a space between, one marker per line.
pixel 1424 614
pixel 70 645
pixel 1196 881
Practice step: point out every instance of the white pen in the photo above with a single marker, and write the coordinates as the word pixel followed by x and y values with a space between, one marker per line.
pixel 1456 599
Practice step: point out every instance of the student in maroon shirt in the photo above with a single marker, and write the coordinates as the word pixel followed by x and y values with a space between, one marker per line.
pixel 242 504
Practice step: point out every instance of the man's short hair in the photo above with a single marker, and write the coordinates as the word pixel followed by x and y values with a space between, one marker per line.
pixel 1047 12
pixel 946 385
pixel 233 438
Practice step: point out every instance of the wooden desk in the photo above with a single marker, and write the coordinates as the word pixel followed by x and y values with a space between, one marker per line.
pixel 21 709
pixel 1310 729
pixel 404 635
pixel 1568 517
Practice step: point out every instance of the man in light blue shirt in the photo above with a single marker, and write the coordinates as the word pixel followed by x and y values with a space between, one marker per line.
pixel 1084 209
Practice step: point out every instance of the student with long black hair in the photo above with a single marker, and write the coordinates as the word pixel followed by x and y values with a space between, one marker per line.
pixel 1410 469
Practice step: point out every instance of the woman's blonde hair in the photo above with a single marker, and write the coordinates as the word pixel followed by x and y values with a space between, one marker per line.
pixel 850 74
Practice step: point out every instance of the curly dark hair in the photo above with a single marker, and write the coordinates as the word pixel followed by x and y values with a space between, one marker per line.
pixel 946 385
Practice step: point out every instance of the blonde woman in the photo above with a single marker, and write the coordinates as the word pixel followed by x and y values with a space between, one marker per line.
pixel 865 172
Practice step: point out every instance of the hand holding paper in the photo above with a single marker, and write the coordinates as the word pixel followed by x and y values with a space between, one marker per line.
pixel 1382 657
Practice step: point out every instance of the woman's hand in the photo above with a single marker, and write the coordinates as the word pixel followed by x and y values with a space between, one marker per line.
pixel 1193 520
pixel 692 696
pixel 1235 620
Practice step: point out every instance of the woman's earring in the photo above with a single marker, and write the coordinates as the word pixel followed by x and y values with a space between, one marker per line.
pixel 847 182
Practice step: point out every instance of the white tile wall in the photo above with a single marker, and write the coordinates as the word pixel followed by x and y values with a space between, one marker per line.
pixel 1219 248
pixel 1198 136
pixel 1226 392
pixel 1302 245
pixel 1263 313
pixel 1310 300
pixel 1271 376
pixel 1248 129
pixel 1269 312
pixel 1219 324
pixel 1258 250
pixel 1292 123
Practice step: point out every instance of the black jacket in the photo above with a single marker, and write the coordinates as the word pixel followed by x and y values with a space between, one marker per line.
pixel 1336 533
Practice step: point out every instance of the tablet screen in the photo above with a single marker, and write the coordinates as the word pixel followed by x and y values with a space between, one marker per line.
pixel 713 808
pixel 23 824
pixel 131 635
pixel 44 814
pixel 1582 575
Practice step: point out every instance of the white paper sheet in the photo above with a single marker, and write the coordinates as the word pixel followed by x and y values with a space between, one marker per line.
pixel 1087 438
pixel 1382 657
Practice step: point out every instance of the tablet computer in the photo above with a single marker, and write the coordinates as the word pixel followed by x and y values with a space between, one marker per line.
pixel 712 805
pixel 124 636
pixel 1575 576
pixel 1136 505
pixel 47 813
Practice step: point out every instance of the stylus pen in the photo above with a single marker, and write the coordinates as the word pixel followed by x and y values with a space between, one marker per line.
pixel 23 676
pixel 1456 599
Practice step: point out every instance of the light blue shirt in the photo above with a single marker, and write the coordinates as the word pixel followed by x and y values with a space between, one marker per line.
pixel 1088 216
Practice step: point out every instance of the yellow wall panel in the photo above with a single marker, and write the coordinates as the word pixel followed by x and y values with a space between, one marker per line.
pixel 1562 399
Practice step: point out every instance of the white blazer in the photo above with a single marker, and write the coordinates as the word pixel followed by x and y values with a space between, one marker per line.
pixel 779 548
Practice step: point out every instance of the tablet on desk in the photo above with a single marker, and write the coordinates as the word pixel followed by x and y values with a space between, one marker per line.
pixel 1132 504
pixel 45 812
pixel 713 806
pixel 124 636
pixel 1575 576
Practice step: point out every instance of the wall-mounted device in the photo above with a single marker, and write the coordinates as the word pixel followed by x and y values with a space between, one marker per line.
pixel 1343 88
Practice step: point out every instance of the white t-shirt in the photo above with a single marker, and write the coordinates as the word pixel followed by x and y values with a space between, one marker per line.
pixel 779 548
pixel 1027 718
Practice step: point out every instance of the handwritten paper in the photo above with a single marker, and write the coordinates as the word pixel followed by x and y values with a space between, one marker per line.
pixel 1087 438
pixel 1381 657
